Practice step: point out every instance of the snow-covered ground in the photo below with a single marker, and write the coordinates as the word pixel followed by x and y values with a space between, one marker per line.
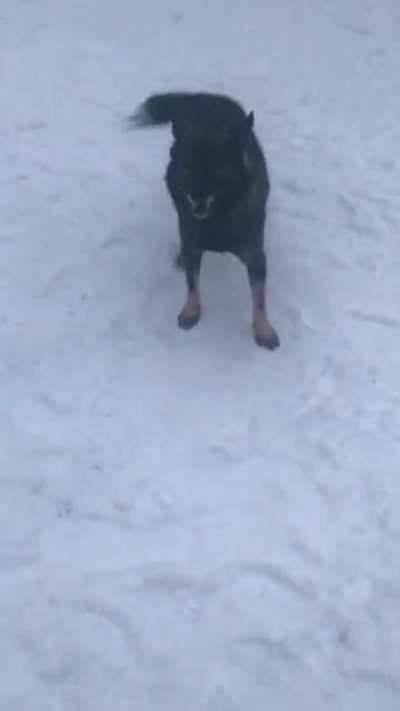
pixel 188 522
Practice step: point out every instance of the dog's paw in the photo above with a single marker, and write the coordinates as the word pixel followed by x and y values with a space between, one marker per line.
pixel 266 337
pixel 187 320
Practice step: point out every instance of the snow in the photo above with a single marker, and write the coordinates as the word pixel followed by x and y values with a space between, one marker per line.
pixel 187 521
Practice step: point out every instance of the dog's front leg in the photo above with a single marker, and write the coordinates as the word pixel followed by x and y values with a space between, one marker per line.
pixel 190 313
pixel 264 334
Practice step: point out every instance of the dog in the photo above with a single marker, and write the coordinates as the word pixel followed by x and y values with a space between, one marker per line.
pixel 218 180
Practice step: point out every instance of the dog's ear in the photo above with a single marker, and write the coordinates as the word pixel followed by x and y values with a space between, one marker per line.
pixel 248 123
pixel 238 132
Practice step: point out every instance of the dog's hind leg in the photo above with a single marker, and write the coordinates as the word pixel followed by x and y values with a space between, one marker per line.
pixel 264 334
pixel 190 313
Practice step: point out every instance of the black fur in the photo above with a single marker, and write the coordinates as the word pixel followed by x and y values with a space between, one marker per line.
pixel 218 180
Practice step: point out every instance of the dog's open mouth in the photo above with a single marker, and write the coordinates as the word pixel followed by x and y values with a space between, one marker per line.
pixel 201 215
pixel 200 208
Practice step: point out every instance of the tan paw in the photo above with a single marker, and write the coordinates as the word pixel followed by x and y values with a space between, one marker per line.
pixel 265 335
pixel 188 317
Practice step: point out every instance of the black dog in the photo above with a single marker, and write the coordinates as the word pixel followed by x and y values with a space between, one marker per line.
pixel 218 181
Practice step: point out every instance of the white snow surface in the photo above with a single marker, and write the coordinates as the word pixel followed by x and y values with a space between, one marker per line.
pixel 188 522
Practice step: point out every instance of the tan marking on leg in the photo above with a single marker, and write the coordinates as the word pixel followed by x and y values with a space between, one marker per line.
pixel 191 308
pixel 190 313
pixel 264 333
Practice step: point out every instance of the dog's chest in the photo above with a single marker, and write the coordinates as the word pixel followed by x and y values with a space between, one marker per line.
pixel 218 236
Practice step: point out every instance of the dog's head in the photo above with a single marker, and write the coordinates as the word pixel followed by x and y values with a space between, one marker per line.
pixel 210 164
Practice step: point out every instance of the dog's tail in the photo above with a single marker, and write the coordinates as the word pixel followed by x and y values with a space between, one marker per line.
pixel 163 108
pixel 172 107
